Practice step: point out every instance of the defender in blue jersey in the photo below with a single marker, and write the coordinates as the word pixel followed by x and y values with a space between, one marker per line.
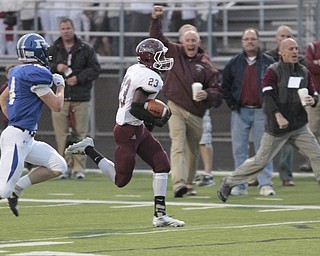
pixel 29 87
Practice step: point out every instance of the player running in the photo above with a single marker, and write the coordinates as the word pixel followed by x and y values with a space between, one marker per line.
pixel 28 88
pixel 140 83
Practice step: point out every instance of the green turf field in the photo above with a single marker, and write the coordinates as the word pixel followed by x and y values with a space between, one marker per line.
pixel 93 217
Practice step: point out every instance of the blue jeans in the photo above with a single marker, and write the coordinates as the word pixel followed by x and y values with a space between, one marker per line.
pixel 247 122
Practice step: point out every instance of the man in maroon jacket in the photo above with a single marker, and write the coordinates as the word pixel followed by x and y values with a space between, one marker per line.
pixel 192 65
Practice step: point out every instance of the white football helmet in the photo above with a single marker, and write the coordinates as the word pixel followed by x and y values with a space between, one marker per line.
pixel 151 53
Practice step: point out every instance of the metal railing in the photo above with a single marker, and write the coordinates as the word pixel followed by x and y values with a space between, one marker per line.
pixel 304 18
pixel 233 16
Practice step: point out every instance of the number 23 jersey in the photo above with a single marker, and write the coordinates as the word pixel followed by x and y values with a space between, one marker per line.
pixel 137 76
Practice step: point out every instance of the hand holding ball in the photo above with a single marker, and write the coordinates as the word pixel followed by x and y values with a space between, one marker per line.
pixel 157 108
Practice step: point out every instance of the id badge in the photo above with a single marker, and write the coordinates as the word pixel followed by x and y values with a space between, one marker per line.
pixel 294 82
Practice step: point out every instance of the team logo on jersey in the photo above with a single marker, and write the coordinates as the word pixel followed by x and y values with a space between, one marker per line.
pixel 199 67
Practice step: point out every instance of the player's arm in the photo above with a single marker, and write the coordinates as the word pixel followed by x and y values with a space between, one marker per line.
pixel 4 97
pixel 137 106
pixel 137 109
pixel 53 100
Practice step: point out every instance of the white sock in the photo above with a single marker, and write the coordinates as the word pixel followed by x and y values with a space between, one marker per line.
pixel 160 181
pixel 23 183
pixel 107 168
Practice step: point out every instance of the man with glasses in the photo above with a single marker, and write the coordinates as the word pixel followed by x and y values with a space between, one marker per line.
pixel 241 83
pixel 287 119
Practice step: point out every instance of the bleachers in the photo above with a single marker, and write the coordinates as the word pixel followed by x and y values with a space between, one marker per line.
pixel 234 16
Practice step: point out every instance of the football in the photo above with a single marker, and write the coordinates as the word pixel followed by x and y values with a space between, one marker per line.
pixel 156 107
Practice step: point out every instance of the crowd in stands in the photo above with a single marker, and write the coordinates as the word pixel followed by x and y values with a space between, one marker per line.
pixel 94 17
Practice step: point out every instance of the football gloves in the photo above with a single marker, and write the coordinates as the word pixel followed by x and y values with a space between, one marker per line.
pixel 58 79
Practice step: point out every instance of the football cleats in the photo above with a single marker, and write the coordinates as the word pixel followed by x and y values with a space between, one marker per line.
pixel 33 47
pixel 151 53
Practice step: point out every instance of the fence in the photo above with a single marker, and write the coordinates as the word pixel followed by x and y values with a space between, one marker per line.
pixel 231 18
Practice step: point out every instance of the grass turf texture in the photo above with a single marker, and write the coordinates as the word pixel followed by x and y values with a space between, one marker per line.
pixel 93 217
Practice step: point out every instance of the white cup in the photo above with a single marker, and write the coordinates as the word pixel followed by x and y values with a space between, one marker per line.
pixel 196 87
pixel 303 92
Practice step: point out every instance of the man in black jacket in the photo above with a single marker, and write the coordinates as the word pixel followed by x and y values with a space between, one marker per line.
pixel 286 153
pixel 286 118
pixel 77 62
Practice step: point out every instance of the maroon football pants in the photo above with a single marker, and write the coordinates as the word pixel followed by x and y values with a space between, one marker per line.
pixel 136 140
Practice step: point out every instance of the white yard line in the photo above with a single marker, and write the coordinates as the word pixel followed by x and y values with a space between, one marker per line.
pixel 215 173
pixel 62 202
pixel 50 253
pixel 187 206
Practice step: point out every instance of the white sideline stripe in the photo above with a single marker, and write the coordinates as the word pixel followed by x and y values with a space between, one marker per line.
pixel 215 172
pixel 273 224
pixel 279 210
pixel 200 208
pixel 128 206
pixel 45 205
pixel 48 253
pixel 128 195
pixel 60 194
pixel 150 203
pixel 32 244
pixel 162 230
pixel 268 199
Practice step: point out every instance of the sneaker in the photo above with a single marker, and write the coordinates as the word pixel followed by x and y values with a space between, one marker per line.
pixel 267 191
pixel 206 181
pixel 191 192
pixel 287 183
pixel 166 221
pixel 238 191
pixel 305 168
pixel 79 176
pixel 253 183
pixel 197 179
pixel 180 191
pixel 224 190
pixel 65 176
pixel 78 148
pixel 13 204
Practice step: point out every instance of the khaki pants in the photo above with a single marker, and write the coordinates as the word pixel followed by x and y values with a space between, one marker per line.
pixel 185 133
pixel 303 138
pixel 314 120
pixel 61 126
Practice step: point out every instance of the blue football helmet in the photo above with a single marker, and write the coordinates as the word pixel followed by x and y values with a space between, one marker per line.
pixel 33 47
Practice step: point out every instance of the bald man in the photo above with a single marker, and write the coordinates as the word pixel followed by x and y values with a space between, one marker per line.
pixel 286 153
pixel 282 33
pixel 287 120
